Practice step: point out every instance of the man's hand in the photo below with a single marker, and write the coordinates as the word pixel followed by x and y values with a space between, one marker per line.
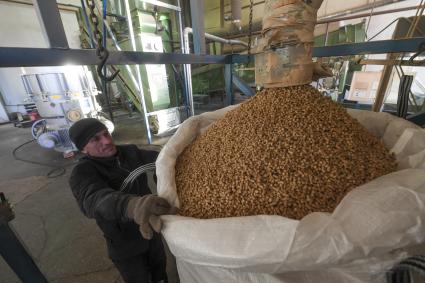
pixel 146 210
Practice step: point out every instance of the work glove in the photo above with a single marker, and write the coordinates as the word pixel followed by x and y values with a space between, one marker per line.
pixel 146 210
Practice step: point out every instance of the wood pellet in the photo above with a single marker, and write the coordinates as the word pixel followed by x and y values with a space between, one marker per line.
pixel 286 151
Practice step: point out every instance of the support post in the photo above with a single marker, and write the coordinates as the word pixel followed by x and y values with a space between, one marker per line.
pixel 228 83
pixel 17 257
pixel 198 25
pixel 51 23
pixel 383 84
pixel 11 249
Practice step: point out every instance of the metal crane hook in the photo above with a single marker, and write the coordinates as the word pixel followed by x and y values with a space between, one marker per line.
pixel 103 54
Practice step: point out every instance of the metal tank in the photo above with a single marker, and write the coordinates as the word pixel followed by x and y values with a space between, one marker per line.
pixel 62 98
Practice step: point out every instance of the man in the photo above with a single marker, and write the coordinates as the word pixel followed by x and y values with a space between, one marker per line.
pixel 129 220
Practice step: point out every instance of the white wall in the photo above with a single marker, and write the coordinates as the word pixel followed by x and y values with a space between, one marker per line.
pixel 70 2
pixel 332 7
pixel 19 27
pixel 3 114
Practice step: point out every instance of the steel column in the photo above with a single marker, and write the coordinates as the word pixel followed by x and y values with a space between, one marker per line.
pixel 17 257
pixel 198 25
pixel 228 74
pixel 51 23
pixel 183 51
pixel 11 249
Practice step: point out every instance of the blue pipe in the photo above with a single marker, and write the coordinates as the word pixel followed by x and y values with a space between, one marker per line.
pixel 103 22
pixel 86 19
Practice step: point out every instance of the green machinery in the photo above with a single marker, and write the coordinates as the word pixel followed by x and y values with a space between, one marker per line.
pixel 152 34
pixel 151 31
pixel 352 33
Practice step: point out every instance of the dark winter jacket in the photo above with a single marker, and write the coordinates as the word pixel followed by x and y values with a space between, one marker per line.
pixel 95 183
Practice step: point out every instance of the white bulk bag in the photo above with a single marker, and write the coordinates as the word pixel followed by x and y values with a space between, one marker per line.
pixel 368 232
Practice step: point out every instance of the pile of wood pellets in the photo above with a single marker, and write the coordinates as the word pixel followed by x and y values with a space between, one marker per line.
pixel 286 151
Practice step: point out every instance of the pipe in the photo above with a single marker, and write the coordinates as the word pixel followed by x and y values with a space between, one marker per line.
pixel 185 66
pixel 236 12
pixel 355 10
pixel 211 37
pixel 188 71
pixel 332 20
pixel 324 21
pixel 87 21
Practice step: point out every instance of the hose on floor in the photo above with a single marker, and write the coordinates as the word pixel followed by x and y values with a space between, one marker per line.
pixel 57 171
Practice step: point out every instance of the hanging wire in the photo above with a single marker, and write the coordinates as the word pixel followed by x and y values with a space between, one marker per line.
pixel 409 34
pixel 382 30
pixel 251 5
pixel 370 18
pixel 412 98
pixel 87 21
pixel 416 20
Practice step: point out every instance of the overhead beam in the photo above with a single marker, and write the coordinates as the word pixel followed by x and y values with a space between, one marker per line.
pixel 390 62
pixel 29 57
pixel 371 47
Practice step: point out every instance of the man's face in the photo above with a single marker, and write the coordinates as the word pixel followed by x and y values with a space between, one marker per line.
pixel 100 145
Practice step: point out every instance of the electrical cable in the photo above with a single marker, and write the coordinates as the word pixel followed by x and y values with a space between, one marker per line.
pixel 382 30
pixel 412 28
pixel 416 19
pixel 387 26
pixel 57 171
pixel 135 174
pixel 370 18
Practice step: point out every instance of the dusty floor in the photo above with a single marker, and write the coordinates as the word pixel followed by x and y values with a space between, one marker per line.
pixel 66 246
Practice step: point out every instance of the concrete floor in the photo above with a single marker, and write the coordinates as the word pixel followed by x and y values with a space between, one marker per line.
pixel 66 246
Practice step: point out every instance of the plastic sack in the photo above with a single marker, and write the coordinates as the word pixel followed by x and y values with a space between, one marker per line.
pixel 288 21
pixel 370 230
pixel 283 54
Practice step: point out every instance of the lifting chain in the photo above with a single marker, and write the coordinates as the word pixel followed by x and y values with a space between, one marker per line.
pixel 101 51
pixel 251 6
